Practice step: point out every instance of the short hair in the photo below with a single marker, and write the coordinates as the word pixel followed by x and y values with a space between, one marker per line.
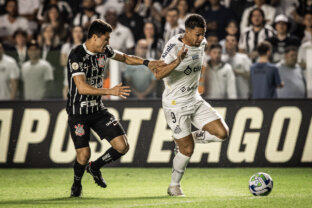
pixel 215 45
pixel 263 48
pixel 234 36
pixel 173 9
pixel 195 20
pixel 20 32
pixel 291 48
pixel 99 27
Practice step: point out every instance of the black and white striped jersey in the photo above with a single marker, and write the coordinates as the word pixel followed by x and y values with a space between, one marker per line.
pixel 92 65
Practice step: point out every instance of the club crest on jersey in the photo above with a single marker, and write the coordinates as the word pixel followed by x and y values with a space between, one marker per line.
pixel 79 130
pixel 101 61
pixel 75 66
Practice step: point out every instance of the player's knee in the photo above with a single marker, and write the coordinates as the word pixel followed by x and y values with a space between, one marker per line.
pixel 83 157
pixel 187 150
pixel 123 148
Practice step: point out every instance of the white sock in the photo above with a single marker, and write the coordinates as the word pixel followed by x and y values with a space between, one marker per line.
pixel 200 136
pixel 180 162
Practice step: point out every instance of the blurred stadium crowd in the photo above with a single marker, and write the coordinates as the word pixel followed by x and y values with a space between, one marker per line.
pixel 38 35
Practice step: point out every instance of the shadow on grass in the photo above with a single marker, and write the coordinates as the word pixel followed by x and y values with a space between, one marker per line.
pixel 80 201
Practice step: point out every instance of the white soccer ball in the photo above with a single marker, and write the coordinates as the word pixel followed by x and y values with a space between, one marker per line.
pixel 260 184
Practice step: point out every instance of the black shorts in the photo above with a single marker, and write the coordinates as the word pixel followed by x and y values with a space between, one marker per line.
pixel 102 122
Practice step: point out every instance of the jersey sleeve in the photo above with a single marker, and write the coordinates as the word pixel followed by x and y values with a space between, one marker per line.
pixel 169 53
pixel 75 65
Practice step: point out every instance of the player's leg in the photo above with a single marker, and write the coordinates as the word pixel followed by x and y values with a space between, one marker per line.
pixel 119 147
pixel 180 123
pixel 180 161
pixel 212 127
pixel 107 127
pixel 80 133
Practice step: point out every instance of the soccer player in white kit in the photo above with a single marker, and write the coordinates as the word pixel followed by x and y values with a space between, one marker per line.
pixel 182 104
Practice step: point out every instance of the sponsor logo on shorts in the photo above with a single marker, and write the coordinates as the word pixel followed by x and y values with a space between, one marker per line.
pixel 79 130
pixel 177 130
pixel 112 121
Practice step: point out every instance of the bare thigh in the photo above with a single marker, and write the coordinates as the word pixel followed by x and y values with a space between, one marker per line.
pixel 218 128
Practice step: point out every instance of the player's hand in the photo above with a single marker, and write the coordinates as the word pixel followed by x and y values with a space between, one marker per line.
pixel 121 91
pixel 182 53
pixel 155 64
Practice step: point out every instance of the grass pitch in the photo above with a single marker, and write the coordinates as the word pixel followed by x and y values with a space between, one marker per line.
pixel 146 187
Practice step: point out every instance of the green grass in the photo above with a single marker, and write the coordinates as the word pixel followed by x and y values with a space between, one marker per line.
pixel 146 187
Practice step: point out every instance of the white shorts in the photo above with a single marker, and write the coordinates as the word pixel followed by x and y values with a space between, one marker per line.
pixel 198 114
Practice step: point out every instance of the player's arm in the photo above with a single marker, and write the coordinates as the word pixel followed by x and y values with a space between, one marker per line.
pixel 135 60
pixel 85 89
pixel 164 70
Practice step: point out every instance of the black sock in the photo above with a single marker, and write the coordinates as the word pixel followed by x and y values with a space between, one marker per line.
pixel 110 155
pixel 78 172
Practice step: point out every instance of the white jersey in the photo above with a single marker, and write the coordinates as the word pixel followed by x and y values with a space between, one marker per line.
pixel 181 85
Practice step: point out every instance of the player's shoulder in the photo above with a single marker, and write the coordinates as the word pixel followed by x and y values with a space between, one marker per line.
pixel 173 43
pixel 77 51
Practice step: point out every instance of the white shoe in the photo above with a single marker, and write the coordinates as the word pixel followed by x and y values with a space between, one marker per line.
pixel 175 191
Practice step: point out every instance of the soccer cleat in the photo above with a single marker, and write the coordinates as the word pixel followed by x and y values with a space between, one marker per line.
pixel 97 176
pixel 76 191
pixel 175 191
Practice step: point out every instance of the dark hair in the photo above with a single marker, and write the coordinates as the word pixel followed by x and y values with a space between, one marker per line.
pixel 195 20
pixel 263 48
pixel 173 9
pixel 261 12
pixel 291 48
pixel 231 36
pixel 99 27
pixel 7 1
pixel 20 32
pixel 215 45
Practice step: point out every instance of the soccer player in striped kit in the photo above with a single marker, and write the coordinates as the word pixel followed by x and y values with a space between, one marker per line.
pixel 85 109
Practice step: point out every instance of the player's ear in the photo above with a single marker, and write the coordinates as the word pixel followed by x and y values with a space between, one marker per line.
pixel 94 37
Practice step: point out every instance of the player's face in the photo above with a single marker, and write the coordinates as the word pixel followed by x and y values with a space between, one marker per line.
pixel 195 36
pixel 101 42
